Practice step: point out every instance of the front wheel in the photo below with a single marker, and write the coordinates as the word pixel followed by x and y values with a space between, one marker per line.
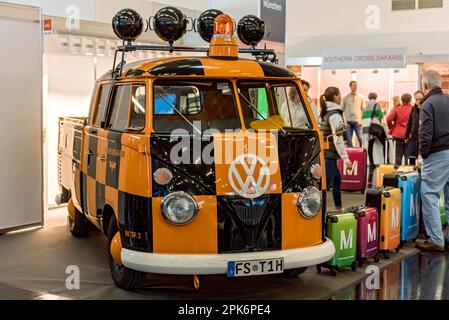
pixel 123 277
pixel 79 226
pixel 293 273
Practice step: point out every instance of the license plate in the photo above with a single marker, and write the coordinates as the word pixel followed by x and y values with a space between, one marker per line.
pixel 255 267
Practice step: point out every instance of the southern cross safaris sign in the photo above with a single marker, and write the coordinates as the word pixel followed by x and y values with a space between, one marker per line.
pixel 273 13
pixel 371 58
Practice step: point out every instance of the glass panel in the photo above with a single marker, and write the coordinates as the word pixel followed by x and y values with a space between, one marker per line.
pixel 101 107
pixel 208 104
pixel 291 108
pixel 120 108
pixel 138 108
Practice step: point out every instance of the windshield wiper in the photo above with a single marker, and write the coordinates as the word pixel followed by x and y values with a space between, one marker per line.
pixel 254 108
pixel 180 114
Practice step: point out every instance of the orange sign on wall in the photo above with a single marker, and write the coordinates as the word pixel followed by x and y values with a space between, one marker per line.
pixel 48 26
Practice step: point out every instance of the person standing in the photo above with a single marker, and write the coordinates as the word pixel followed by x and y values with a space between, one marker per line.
pixel 434 149
pixel 374 134
pixel 353 106
pixel 411 133
pixel 331 124
pixel 397 122
pixel 293 112
pixel 397 102
pixel 306 88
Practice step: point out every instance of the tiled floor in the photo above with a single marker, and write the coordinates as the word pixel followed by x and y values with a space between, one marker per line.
pixel 423 276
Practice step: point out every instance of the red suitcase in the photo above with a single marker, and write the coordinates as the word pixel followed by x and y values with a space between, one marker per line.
pixel 355 179
pixel 367 233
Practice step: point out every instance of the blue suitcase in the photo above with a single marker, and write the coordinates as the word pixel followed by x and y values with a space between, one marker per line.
pixel 410 185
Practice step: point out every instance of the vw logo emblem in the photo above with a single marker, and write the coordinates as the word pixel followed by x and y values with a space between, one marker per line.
pixel 254 181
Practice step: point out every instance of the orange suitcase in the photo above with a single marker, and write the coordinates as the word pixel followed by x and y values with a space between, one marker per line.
pixel 387 200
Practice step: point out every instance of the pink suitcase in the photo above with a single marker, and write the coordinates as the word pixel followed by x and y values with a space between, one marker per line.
pixel 367 233
pixel 355 179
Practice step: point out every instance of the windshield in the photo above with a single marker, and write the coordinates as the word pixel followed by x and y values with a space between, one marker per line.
pixel 265 102
pixel 195 106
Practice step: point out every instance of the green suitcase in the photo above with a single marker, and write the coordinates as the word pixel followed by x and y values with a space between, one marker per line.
pixel 443 211
pixel 341 228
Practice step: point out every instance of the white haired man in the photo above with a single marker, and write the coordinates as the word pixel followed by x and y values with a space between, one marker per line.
pixel 434 149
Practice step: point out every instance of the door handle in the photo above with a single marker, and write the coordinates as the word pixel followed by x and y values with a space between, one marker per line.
pixel 103 157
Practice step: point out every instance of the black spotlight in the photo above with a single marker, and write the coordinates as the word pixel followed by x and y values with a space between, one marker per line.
pixel 170 24
pixel 127 25
pixel 251 30
pixel 205 24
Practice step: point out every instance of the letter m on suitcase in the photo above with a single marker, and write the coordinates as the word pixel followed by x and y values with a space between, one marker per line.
pixel 372 232
pixel 395 218
pixel 354 171
pixel 346 242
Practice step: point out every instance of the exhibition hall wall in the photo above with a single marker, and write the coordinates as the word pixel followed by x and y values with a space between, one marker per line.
pixel 21 176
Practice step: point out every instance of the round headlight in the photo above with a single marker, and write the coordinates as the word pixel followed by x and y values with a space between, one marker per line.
pixel 163 176
pixel 310 202
pixel 179 208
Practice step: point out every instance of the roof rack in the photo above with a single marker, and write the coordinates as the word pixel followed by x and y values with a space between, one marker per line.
pixel 259 54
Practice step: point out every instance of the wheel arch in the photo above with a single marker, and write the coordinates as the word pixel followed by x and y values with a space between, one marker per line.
pixel 108 214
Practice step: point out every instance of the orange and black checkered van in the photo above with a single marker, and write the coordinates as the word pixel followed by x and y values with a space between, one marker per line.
pixel 198 166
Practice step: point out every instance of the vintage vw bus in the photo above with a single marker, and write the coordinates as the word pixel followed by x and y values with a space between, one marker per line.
pixel 192 165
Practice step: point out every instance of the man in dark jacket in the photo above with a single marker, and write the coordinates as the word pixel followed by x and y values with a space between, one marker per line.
pixel 412 132
pixel 434 149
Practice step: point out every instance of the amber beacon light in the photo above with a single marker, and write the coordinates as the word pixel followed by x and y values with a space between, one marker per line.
pixel 224 44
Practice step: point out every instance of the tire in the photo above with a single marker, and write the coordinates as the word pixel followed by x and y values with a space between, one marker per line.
pixel 293 273
pixel 123 277
pixel 333 272
pixel 376 259
pixel 387 255
pixel 79 227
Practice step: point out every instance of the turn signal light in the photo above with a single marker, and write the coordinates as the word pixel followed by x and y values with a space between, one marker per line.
pixel 316 172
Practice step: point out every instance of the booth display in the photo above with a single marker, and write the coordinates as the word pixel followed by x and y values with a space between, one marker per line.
pixel 187 164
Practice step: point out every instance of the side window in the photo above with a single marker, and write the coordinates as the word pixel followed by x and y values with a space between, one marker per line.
pixel 291 107
pixel 120 106
pixel 138 108
pixel 100 108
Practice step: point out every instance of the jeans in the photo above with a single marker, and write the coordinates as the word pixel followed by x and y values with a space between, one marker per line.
pixel 333 179
pixel 353 127
pixel 372 165
pixel 435 179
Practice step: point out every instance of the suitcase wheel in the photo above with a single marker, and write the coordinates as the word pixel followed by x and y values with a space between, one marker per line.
pixel 376 259
pixel 398 249
pixel 361 263
pixel 386 255
pixel 318 269
pixel 354 266
pixel 333 272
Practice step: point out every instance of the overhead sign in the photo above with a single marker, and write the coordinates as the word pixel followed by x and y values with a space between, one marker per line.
pixel 273 12
pixel 375 58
